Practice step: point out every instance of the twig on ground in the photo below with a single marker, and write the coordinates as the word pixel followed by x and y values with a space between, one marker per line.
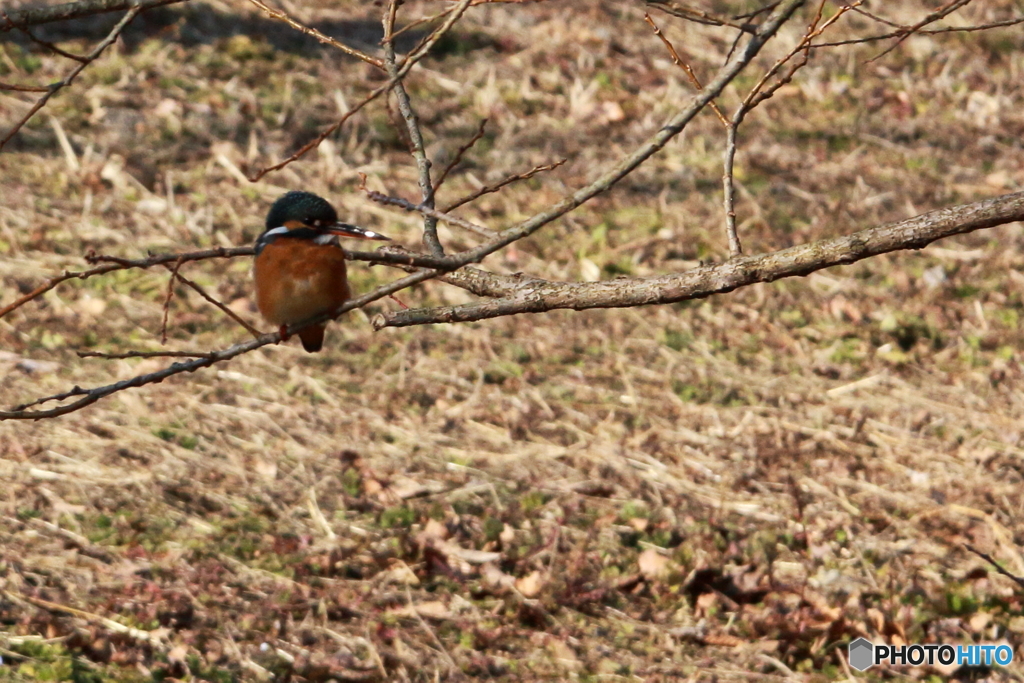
pixel 999 568
pixel 426 627
pixel 54 88
pixel 109 624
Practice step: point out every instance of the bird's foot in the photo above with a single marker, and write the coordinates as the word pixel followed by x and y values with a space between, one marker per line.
pixel 283 331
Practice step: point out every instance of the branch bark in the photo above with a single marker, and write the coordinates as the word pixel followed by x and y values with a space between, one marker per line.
pixel 33 16
pixel 530 295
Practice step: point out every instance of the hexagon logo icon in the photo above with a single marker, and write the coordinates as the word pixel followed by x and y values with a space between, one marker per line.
pixel 861 654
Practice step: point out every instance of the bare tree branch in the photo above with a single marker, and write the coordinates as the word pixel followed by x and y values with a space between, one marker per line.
pixel 54 88
pixel 90 396
pixel 758 94
pixel 430 212
pixel 385 256
pixel 410 61
pixel 144 354
pixel 325 39
pixel 216 302
pixel 488 189
pixel 681 10
pixel 948 8
pixel 458 155
pixel 684 66
pixel 903 32
pixel 33 16
pixel 535 296
pixel 419 153
pixel 725 74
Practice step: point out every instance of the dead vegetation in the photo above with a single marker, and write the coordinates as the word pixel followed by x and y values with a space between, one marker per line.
pixel 723 489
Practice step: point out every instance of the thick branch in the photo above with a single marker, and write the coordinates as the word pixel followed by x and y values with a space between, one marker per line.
pixel 33 16
pixel 535 296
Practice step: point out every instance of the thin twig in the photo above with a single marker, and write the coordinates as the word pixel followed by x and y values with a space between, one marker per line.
pixel 327 40
pixel 90 396
pixel 488 189
pixel 153 638
pixel 381 198
pixel 54 88
pixel 458 155
pixel 433 636
pixel 940 13
pixel 112 263
pixel 404 68
pixel 23 88
pixel 684 66
pixel 385 256
pixel 53 48
pixel 678 9
pixel 430 238
pixel 167 299
pixel 143 354
pixel 758 94
pixel 924 32
pixel 219 304
pixel 729 188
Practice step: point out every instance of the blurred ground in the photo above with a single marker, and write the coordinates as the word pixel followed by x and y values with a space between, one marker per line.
pixel 725 489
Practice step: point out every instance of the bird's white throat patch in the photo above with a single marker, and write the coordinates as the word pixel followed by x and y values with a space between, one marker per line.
pixel 326 239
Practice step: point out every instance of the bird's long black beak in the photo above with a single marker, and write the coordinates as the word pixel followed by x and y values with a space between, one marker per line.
pixel 348 230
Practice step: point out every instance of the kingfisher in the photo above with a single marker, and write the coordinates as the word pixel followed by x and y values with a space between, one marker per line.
pixel 300 265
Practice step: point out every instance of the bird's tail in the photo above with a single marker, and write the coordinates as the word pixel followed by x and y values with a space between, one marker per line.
pixel 312 338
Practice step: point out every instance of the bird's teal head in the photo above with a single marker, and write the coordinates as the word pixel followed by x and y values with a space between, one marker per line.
pixel 304 215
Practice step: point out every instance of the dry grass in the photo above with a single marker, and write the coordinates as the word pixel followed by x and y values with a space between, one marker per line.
pixel 722 490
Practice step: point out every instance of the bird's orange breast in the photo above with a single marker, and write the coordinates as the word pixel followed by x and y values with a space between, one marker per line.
pixel 297 279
